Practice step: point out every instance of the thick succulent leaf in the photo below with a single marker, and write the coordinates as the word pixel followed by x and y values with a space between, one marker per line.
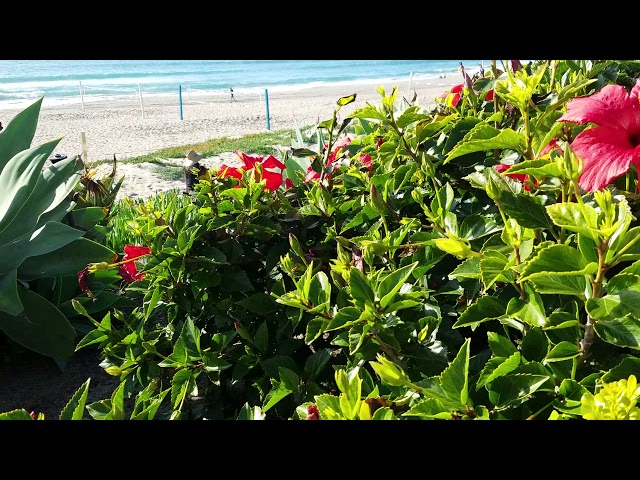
pixel 53 186
pixel 18 133
pixel 40 327
pixel 18 181
pixel 9 300
pixel 50 237
pixel 65 261
pixel 56 214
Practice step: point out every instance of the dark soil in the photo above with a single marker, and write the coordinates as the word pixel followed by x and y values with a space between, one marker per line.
pixel 37 384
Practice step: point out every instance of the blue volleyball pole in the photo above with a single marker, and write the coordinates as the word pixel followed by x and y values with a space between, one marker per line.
pixel 180 97
pixel 266 101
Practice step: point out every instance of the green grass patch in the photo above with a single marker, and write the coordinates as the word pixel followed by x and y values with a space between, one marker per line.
pixel 168 172
pixel 254 143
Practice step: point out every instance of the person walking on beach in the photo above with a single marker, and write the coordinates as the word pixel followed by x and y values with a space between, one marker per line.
pixel 233 99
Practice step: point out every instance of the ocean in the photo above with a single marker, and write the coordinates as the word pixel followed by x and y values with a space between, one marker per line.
pixel 65 81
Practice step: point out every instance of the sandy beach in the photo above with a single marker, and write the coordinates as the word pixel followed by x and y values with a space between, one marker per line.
pixel 131 127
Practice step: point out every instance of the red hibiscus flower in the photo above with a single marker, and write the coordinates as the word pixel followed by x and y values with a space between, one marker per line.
pixel 610 148
pixel 83 281
pixel 520 177
pixel 127 268
pixel 365 159
pixel 273 179
pixel 313 413
pixel 455 91
pixel 337 151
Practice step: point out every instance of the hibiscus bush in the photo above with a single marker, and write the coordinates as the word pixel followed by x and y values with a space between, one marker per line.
pixel 476 260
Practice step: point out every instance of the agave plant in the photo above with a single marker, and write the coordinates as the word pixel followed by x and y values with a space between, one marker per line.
pixel 38 247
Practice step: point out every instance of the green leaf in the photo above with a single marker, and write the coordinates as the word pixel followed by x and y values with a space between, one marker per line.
pixel 236 280
pixel 384 413
pixel 345 317
pixel 615 306
pixel 484 137
pixel 261 303
pixel 40 327
pixel 498 367
pixel 276 394
pixel 534 345
pixel 329 407
pixel 314 330
pixel 623 332
pixel 454 380
pixel 19 414
pixel 477 226
pixel 510 389
pixel 562 351
pixel 315 363
pixel 486 308
pixel 429 409
pixel 627 367
pixel 74 409
pixel 494 268
pixel 530 310
pixel 261 339
pixel 319 290
pixel 525 209
pixel 391 284
pixel 182 384
pixel 500 346
pixel 539 167
pixel 469 268
pixel 556 261
pixel 351 387
pixel 65 261
pixel 360 287
pixel 579 218
pixel 409 116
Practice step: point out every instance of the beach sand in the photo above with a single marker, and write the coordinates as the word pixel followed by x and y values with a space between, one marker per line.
pixel 126 129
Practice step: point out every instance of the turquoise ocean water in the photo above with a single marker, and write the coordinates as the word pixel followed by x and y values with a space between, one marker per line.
pixel 61 81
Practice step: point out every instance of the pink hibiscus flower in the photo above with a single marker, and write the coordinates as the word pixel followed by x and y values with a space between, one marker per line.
pixel 610 148
pixel 333 156
pixel 273 179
